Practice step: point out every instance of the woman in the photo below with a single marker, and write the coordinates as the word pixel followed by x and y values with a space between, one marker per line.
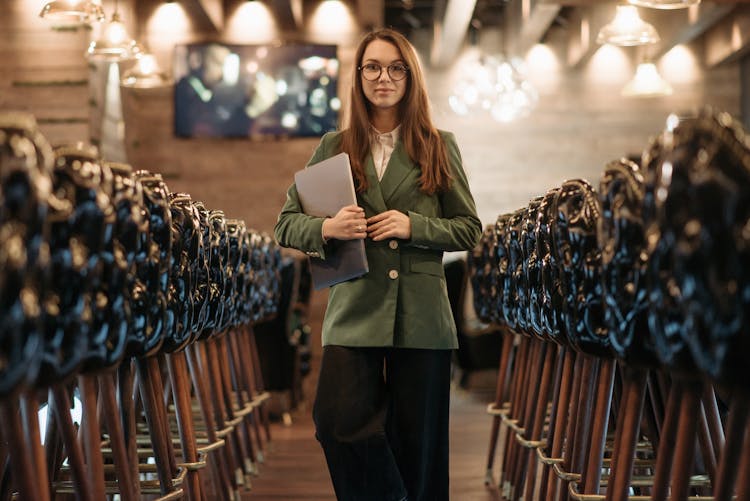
pixel 381 409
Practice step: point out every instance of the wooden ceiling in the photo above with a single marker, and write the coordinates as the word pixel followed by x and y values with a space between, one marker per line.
pixel 722 26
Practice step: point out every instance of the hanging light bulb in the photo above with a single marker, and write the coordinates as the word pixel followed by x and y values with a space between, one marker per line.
pixel 647 82
pixel 145 73
pixel 73 11
pixel 665 4
pixel 627 29
pixel 113 43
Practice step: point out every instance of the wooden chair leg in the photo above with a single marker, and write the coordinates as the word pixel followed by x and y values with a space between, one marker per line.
pixel 6 490
pixel 685 447
pixel 242 390
pixel 92 434
pixel 532 399
pixel 207 351
pixel 111 416
pixel 23 469
pixel 629 419
pixel 180 381
pixel 265 421
pixel 743 487
pixel 715 427
pixel 739 410
pixel 515 461
pixel 500 391
pixel 667 441
pixel 30 416
pixel 514 412
pixel 60 396
pixel 245 342
pixel 239 437
pixel 540 410
pixel 593 471
pixel 149 378
pixel 53 446
pixel 556 434
pixel 217 461
pixel 570 424
pixel 126 387
pixel 582 433
pixel 707 449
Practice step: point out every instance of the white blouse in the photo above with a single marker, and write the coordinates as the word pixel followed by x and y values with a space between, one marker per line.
pixel 381 146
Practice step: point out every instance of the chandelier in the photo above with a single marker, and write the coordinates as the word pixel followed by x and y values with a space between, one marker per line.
pixel 494 85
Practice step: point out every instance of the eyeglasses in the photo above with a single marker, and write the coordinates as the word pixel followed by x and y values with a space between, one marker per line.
pixel 372 71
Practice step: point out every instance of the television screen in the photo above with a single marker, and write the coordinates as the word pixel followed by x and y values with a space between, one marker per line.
pixel 250 90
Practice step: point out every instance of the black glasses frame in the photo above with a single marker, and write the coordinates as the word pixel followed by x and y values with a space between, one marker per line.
pixel 387 69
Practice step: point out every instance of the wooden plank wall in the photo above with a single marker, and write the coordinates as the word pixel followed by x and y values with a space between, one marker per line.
pixel 43 71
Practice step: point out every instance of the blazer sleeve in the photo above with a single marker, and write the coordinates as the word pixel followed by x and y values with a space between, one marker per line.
pixel 296 229
pixel 459 227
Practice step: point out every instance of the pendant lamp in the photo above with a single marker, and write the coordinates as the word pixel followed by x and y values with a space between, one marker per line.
pixel 73 11
pixel 113 43
pixel 627 29
pixel 145 73
pixel 665 4
pixel 647 82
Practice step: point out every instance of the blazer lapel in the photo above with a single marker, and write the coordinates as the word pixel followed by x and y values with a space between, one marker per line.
pixel 399 167
pixel 373 195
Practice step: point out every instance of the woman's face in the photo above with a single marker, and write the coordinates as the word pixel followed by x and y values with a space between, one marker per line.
pixel 383 92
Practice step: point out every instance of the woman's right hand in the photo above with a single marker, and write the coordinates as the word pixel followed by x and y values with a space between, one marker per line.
pixel 348 224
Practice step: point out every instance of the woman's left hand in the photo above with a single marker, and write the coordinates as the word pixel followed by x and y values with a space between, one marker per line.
pixel 389 224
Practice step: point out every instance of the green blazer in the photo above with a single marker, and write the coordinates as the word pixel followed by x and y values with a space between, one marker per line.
pixel 402 301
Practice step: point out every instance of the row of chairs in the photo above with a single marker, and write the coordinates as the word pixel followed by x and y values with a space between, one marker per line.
pixel 627 313
pixel 139 304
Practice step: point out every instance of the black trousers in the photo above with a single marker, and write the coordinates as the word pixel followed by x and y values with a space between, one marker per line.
pixel 381 416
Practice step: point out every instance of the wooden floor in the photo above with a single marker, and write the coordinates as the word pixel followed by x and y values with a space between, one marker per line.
pixel 294 468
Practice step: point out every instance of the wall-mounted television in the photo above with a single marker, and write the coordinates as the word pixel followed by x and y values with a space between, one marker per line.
pixel 226 90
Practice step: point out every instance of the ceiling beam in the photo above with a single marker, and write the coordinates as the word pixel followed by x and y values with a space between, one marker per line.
pixel 528 22
pixel 371 13
pixel 728 39
pixel 450 31
pixel 683 26
pixel 583 27
pixel 288 13
pixel 206 12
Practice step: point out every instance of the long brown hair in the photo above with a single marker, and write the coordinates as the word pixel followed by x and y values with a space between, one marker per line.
pixel 421 139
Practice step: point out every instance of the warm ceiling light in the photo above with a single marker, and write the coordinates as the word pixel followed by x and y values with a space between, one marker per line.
pixel 665 4
pixel 72 11
pixel 647 82
pixel 146 73
pixel 113 43
pixel 627 29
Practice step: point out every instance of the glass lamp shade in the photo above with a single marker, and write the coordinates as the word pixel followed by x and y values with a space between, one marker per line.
pixel 627 29
pixel 72 11
pixel 647 82
pixel 113 43
pixel 146 73
pixel 665 4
